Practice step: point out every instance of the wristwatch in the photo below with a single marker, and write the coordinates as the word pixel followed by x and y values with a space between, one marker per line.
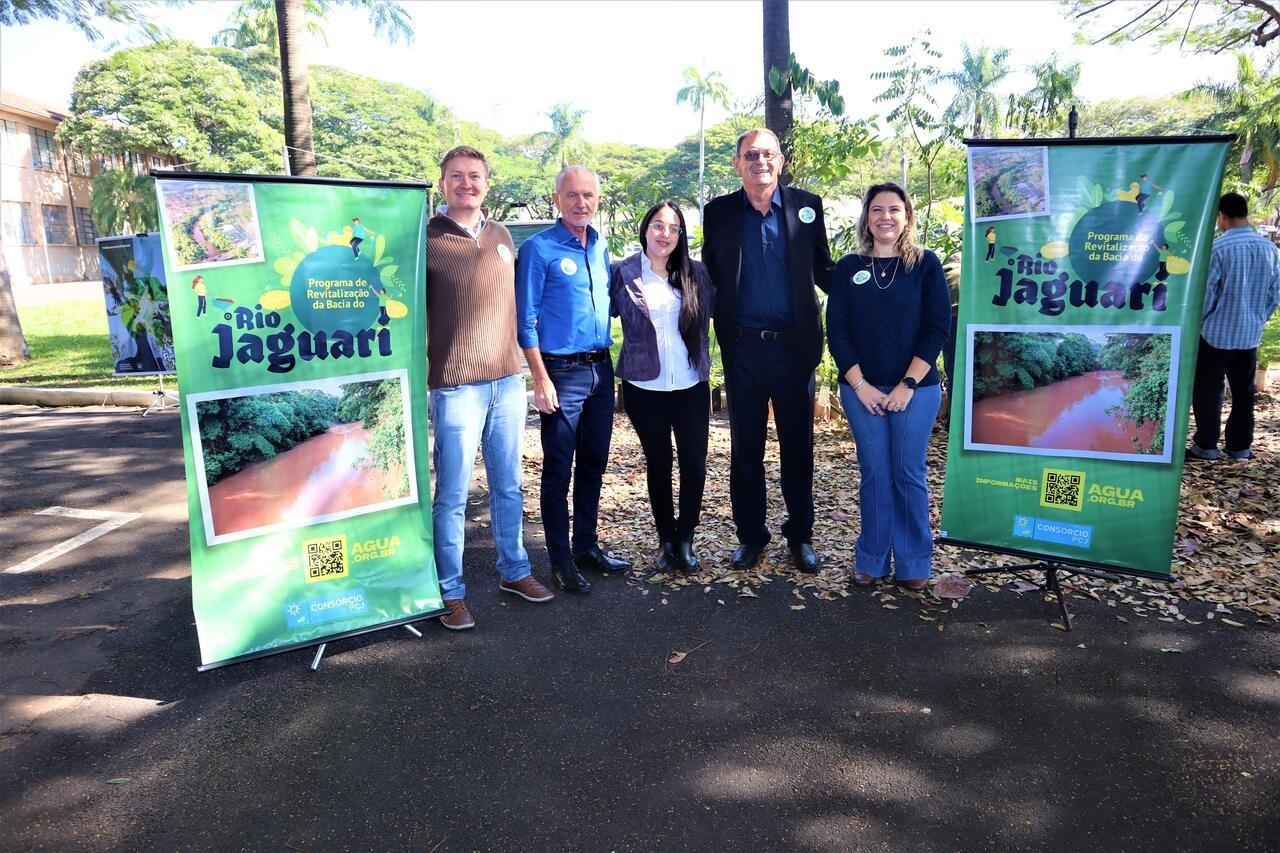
pixel 908 382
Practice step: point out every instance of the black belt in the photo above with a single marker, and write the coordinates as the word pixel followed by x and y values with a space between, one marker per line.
pixel 763 334
pixel 594 356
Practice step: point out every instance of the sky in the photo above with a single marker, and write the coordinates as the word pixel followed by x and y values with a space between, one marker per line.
pixel 503 64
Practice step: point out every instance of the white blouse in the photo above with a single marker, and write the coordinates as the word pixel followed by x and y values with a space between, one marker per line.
pixel 664 303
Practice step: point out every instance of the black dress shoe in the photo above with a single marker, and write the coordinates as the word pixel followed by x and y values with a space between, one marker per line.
pixel 747 556
pixel 805 557
pixel 569 578
pixel 686 560
pixel 601 562
pixel 666 560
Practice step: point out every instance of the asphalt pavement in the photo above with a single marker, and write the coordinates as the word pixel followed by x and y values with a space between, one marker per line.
pixel 841 726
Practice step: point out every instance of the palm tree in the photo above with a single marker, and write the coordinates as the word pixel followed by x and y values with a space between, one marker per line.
pixel 975 81
pixel 777 54
pixel 1250 108
pixel 700 88
pixel 389 19
pixel 124 202
pixel 564 141
pixel 253 24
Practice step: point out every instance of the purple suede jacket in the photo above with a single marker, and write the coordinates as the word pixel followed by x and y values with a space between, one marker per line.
pixel 638 360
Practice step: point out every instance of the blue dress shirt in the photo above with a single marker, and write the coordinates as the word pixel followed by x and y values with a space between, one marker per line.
pixel 1242 289
pixel 764 282
pixel 562 292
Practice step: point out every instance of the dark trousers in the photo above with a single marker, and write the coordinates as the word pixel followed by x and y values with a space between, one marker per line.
pixel 656 416
pixel 1238 366
pixel 756 374
pixel 199 305
pixel 355 245
pixel 582 426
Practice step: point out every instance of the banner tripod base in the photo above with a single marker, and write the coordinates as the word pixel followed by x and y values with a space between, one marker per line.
pixel 161 399
pixel 1051 583
pixel 315 661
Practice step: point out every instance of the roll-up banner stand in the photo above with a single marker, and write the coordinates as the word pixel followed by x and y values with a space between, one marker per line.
pixel 299 326
pixel 1082 289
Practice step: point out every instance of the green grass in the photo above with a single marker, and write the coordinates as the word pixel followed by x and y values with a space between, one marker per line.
pixel 69 349
pixel 1269 349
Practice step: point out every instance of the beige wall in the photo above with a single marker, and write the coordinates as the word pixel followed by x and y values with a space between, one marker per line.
pixel 74 258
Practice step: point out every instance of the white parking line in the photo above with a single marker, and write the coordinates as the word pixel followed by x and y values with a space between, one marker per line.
pixel 110 521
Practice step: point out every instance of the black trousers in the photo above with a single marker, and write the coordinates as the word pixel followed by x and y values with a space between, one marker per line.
pixel 656 416
pixel 758 373
pixel 1238 366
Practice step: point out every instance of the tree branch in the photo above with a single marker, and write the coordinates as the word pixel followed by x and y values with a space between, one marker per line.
pixel 1123 27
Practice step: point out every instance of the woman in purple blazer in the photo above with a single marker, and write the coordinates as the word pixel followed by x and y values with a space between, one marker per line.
pixel 664 300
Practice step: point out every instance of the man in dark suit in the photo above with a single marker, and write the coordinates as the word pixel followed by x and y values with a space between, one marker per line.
pixel 766 247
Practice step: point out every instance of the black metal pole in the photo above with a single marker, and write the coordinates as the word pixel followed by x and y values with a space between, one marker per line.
pixel 1073 119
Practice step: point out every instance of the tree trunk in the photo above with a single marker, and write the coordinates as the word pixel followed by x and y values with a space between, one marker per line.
pixel 296 82
pixel 13 345
pixel 702 156
pixel 777 54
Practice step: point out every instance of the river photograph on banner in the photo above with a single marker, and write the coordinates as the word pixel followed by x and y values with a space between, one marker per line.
pixel 137 303
pixel 1072 391
pixel 210 224
pixel 284 456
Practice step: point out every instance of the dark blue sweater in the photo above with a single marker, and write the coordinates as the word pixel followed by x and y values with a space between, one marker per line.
pixel 882 330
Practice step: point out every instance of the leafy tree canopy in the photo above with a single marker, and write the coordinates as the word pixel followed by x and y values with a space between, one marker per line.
pixel 175 97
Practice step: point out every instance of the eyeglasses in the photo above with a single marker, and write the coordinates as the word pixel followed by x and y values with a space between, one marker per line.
pixel 754 154
pixel 663 228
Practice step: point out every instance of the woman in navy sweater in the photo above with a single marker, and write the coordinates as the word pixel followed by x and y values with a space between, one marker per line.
pixel 887 318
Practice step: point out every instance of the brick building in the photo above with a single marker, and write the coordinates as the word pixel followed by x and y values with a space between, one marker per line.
pixel 46 232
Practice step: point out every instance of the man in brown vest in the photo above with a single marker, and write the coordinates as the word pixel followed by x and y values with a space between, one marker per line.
pixel 477 389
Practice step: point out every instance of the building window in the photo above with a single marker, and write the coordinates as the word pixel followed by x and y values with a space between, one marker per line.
pixel 132 162
pixel 84 224
pixel 44 151
pixel 9 141
pixel 57 229
pixel 15 223
pixel 79 162
pixel 156 163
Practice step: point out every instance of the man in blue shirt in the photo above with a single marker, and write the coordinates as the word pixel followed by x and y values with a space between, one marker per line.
pixel 1240 295
pixel 765 246
pixel 562 322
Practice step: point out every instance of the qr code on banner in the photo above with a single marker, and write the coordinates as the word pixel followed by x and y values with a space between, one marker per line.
pixel 1062 489
pixel 325 559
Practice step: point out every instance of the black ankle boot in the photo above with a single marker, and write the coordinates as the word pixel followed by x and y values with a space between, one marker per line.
pixel 685 558
pixel 666 559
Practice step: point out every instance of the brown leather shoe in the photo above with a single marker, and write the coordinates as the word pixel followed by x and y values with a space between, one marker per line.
pixel 914 584
pixel 863 579
pixel 458 618
pixel 527 588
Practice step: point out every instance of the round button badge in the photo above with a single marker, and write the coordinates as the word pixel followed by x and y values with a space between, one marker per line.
pixel 861 277
pixel 504 253
pixel 806 215
pixel 567 266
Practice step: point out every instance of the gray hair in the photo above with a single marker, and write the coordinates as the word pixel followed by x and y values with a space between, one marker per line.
pixel 751 133
pixel 569 170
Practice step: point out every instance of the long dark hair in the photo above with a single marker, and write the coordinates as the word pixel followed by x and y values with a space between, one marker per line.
pixel 680 277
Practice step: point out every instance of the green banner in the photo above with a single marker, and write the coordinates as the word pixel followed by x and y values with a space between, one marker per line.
pixel 299 327
pixel 1081 294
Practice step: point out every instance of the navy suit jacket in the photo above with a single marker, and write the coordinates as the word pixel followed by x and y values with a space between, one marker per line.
pixel 809 259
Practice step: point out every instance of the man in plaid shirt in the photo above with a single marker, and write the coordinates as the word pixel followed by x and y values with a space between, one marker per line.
pixel 1240 295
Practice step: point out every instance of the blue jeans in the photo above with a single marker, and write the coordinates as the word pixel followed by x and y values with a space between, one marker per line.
pixel 582 426
pixel 489 415
pixel 894 495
